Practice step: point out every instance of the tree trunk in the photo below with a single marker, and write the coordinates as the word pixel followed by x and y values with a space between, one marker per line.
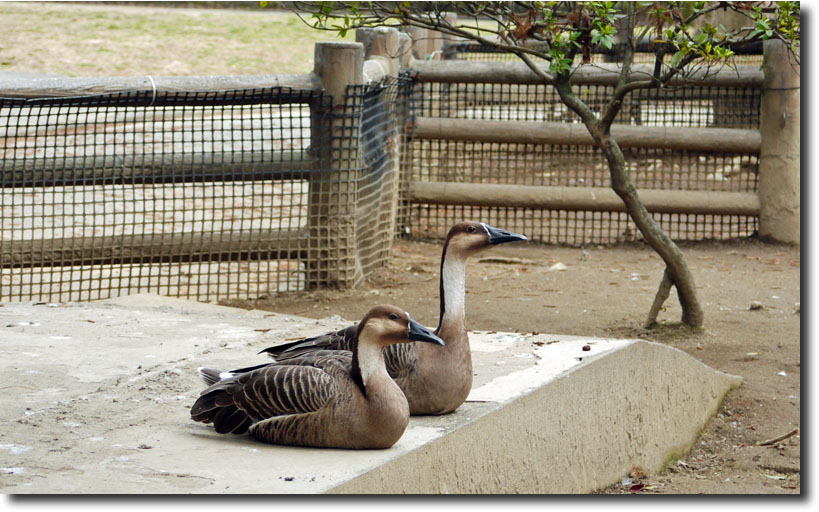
pixel 676 266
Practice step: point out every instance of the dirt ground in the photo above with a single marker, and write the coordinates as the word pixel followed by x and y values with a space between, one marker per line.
pixel 607 291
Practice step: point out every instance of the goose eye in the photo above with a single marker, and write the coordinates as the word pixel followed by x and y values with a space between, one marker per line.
pixel 470 229
pixel 393 316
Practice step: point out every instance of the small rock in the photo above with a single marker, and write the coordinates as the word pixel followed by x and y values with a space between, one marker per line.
pixel 796 308
pixel 558 266
pixel 586 348
pixel 782 374
pixel 288 479
pixel 144 447
pixel 755 304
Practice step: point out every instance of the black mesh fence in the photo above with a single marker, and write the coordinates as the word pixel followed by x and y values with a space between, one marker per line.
pixel 199 195
pixel 692 106
pixel 465 161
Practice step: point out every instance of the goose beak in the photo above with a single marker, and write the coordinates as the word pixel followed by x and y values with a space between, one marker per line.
pixel 418 332
pixel 501 236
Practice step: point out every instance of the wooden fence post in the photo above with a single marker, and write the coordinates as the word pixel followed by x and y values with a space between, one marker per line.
pixel 779 158
pixel 332 253
pixel 380 148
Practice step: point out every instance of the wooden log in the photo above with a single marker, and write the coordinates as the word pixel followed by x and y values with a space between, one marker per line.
pixel 381 46
pixel 718 140
pixel 780 188
pixel 52 87
pixel 156 168
pixel 474 72
pixel 582 198
pixel 155 248
pixel 333 258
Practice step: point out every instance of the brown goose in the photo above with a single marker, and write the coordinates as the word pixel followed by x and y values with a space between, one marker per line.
pixel 436 380
pixel 339 399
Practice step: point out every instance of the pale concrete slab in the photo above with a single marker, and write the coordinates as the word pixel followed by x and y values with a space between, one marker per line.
pixel 97 396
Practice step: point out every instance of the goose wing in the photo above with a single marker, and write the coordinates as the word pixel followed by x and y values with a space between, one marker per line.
pixel 338 340
pixel 232 405
pixel 401 359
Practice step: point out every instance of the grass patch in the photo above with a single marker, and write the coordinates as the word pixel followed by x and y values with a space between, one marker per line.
pixel 123 40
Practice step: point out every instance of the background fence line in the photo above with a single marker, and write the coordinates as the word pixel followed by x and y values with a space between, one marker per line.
pixel 241 187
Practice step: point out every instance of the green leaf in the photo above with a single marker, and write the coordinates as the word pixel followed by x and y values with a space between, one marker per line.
pixel 595 36
pixel 677 58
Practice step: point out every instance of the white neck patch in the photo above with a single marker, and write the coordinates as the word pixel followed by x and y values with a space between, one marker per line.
pixel 453 275
pixel 370 356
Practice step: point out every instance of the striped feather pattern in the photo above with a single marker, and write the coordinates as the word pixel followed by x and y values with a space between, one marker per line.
pixel 338 340
pixel 400 358
pixel 232 405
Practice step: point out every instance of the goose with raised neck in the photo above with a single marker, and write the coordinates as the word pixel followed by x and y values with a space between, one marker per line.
pixel 339 399
pixel 435 380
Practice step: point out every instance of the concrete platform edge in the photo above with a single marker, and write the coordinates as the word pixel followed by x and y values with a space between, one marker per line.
pixel 642 405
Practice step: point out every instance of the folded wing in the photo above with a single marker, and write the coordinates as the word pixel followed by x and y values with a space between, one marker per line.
pixel 234 404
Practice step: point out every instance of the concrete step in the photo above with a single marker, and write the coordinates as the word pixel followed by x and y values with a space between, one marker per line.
pixel 97 399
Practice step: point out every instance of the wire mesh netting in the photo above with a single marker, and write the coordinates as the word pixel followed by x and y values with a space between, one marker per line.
pixel 198 195
pixel 467 161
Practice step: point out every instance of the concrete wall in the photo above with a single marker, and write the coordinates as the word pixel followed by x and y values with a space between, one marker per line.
pixel 637 406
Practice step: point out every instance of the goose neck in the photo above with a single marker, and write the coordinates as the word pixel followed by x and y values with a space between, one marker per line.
pixel 453 292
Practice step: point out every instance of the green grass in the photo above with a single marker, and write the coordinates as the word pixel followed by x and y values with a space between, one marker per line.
pixel 99 40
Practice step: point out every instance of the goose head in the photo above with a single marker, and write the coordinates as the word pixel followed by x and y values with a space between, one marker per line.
pixel 385 325
pixel 468 238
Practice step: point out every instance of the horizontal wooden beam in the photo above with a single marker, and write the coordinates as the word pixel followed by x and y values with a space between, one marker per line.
pixel 155 248
pixel 582 198
pixel 156 168
pixel 476 72
pixel 719 140
pixel 58 87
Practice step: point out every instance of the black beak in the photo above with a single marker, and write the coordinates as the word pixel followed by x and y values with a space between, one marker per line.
pixel 418 332
pixel 501 236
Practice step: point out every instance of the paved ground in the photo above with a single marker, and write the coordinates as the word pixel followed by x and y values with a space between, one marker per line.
pixel 606 292
pixel 96 400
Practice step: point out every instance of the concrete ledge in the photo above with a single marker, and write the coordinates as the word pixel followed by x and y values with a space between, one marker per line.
pixel 97 399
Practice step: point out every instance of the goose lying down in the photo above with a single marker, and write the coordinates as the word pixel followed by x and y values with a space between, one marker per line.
pixel 435 380
pixel 331 399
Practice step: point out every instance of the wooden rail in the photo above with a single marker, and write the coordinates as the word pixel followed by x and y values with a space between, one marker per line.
pixel 475 72
pixel 582 198
pixel 156 168
pixel 59 87
pixel 720 140
pixel 155 248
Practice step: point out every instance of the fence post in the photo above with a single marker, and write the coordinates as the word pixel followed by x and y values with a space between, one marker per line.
pixel 779 158
pixel 380 149
pixel 428 43
pixel 332 255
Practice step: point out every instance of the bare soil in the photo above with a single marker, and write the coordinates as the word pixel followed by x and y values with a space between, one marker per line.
pixel 607 291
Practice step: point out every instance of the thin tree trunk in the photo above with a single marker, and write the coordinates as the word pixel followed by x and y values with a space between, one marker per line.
pixel 676 265
pixel 659 299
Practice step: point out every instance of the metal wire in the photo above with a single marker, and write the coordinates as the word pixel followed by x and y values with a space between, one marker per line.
pixel 198 195
pixel 579 166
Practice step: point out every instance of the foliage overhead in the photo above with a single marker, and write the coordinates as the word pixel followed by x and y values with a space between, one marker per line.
pixel 558 32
